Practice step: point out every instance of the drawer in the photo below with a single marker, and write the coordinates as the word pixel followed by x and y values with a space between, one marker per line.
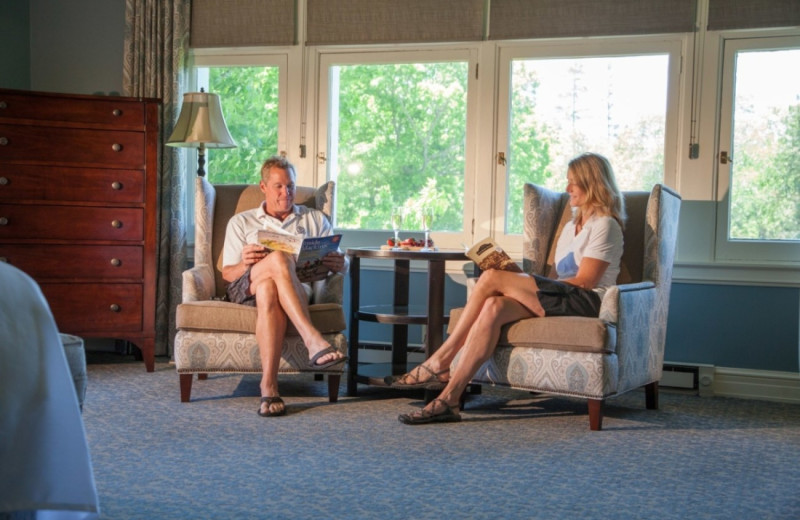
pixel 95 306
pixel 35 144
pixel 28 182
pixel 41 221
pixel 111 111
pixel 44 261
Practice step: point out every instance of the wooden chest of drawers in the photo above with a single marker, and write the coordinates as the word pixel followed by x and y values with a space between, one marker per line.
pixel 78 208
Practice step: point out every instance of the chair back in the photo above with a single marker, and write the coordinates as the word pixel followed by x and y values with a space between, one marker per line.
pixel 215 204
pixel 547 211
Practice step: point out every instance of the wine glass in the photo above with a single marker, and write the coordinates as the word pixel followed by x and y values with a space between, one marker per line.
pixel 397 222
pixel 426 216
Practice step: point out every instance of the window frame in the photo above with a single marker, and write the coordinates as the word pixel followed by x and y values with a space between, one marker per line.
pixel 327 57
pixel 673 45
pixel 751 252
pixel 233 57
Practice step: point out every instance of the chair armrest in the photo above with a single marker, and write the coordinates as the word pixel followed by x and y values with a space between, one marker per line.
pixel 629 294
pixel 198 283
pixel 329 290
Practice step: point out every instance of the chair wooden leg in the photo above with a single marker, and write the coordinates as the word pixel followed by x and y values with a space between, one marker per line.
pixel 333 387
pixel 595 414
pixel 651 395
pixel 186 387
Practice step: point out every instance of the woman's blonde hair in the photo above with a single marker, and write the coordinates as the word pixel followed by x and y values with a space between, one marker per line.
pixel 594 175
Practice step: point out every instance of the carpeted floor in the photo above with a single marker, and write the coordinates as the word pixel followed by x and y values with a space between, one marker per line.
pixel 515 455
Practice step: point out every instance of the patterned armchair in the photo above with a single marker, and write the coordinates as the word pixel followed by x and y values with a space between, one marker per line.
pixel 219 336
pixel 594 358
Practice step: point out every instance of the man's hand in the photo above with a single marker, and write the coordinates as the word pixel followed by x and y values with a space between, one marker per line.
pixel 252 253
pixel 334 261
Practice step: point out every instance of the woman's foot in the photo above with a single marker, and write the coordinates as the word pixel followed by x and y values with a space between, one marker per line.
pixel 420 377
pixel 437 410
pixel 271 407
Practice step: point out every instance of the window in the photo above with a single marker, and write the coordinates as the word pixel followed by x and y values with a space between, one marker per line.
pixel 252 90
pixel 759 150
pixel 396 136
pixel 562 104
pixel 249 97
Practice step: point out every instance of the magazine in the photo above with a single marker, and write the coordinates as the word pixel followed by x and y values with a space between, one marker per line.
pixel 487 254
pixel 308 252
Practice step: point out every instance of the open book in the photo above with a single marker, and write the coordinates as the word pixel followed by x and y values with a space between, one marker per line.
pixel 487 254
pixel 308 252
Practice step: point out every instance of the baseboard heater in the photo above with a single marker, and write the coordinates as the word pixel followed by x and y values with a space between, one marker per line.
pixel 680 376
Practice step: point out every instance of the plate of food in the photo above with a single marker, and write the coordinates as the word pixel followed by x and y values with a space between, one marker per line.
pixel 409 244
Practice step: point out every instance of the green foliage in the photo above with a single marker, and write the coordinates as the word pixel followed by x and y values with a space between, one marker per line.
pixel 249 97
pixel 401 138
pixel 765 190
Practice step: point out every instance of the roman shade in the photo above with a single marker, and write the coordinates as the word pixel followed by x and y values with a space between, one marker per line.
pixel 750 14
pixel 518 19
pixel 341 22
pixel 243 23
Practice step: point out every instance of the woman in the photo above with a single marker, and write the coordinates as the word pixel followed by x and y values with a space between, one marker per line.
pixel 587 261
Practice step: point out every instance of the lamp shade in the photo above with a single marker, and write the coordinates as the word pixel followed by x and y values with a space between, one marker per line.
pixel 201 123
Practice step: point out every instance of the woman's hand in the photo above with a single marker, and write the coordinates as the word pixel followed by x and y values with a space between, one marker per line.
pixel 253 253
pixel 334 261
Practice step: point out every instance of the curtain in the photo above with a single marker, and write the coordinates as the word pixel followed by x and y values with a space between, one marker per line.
pixel 155 54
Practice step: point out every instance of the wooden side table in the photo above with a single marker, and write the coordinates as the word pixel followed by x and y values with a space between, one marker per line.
pixel 398 313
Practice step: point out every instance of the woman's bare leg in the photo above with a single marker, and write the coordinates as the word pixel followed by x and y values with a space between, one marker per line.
pixel 493 283
pixel 479 346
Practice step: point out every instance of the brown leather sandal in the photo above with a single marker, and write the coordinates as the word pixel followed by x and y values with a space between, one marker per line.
pixel 431 382
pixel 448 414
pixel 270 401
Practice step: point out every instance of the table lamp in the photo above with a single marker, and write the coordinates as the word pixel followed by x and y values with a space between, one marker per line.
pixel 201 125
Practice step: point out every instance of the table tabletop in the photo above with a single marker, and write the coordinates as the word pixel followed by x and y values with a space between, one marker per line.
pixel 407 254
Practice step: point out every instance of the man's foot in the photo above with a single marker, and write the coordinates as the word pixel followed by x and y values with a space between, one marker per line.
pixel 326 358
pixel 420 377
pixel 271 407
pixel 437 411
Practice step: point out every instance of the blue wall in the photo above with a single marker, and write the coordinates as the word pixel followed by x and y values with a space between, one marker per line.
pixel 734 326
pixel 723 325
pixel 15 60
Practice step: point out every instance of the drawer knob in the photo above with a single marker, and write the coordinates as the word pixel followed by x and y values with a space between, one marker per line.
pixel 117 112
pixel 116 224
pixel 116 262
pixel 116 147
pixel 116 185
pixel 3 181
pixel 3 221
pixel 3 141
pixel 3 105
pixel 114 307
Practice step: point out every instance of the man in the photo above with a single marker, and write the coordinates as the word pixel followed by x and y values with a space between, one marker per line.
pixel 268 280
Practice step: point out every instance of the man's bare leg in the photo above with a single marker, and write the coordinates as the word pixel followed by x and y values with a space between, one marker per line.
pixel 270 331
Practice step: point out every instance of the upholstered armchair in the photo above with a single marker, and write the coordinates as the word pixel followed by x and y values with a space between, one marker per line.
pixel 216 336
pixel 593 358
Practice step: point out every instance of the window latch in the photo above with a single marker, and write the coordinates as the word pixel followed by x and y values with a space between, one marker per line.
pixel 724 158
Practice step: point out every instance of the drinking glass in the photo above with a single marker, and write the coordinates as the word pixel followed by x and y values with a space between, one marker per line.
pixel 426 216
pixel 397 223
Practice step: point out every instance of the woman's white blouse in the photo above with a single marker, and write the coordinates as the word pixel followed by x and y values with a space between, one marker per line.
pixel 600 238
